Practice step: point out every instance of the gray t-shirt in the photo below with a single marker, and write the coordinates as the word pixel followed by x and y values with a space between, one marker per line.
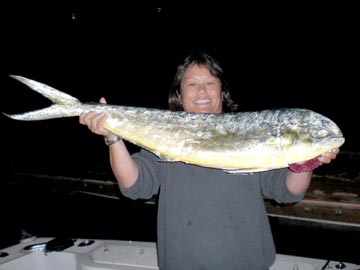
pixel 207 218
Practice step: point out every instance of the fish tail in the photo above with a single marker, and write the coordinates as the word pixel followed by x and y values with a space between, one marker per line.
pixel 54 111
pixel 64 104
pixel 49 92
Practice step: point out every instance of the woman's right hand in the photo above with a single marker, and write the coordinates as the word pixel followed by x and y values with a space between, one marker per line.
pixel 95 121
pixel 123 166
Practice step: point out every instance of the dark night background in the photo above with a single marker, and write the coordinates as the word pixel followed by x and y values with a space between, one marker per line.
pixel 300 56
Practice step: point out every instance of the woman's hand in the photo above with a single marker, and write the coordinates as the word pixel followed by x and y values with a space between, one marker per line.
pixel 95 121
pixel 327 157
pixel 311 164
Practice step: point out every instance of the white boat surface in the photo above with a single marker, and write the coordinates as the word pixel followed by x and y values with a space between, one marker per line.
pixel 45 253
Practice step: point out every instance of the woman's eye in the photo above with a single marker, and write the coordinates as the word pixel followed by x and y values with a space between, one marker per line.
pixel 192 84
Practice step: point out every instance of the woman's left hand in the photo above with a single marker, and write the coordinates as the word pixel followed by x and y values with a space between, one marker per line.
pixel 312 164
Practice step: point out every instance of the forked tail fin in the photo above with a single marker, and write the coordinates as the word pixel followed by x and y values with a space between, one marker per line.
pixel 61 107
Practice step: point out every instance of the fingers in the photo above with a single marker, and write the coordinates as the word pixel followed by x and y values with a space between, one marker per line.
pixel 327 157
pixel 103 100
pixel 94 121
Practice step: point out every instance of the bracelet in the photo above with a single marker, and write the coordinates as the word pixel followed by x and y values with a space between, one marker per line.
pixel 108 142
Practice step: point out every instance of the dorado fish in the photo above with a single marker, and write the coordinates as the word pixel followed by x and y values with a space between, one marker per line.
pixel 235 142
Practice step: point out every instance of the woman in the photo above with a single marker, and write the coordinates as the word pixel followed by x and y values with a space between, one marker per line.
pixel 207 218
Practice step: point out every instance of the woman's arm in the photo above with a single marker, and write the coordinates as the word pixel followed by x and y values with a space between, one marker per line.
pixel 122 164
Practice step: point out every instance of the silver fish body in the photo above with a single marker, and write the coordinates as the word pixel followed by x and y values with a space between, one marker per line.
pixel 235 142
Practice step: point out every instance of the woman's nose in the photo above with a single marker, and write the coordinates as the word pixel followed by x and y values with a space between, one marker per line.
pixel 201 87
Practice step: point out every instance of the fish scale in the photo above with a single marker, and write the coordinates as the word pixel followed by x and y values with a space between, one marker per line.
pixel 235 142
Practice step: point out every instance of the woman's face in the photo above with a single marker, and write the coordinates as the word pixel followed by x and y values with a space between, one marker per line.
pixel 200 91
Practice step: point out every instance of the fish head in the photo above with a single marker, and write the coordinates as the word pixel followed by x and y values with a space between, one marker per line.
pixel 308 134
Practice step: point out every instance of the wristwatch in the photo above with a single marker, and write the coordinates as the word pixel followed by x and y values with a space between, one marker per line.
pixel 110 142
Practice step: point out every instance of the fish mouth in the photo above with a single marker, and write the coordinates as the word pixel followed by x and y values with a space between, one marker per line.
pixel 341 140
pixel 336 142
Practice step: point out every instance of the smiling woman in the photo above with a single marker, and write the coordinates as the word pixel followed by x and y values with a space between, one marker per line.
pixel 200 91
pixel 200 84
pixel 194 231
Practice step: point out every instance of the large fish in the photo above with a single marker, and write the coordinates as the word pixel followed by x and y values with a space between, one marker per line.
pixel 235 142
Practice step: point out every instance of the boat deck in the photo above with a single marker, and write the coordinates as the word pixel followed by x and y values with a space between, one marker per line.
pixel 96 254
